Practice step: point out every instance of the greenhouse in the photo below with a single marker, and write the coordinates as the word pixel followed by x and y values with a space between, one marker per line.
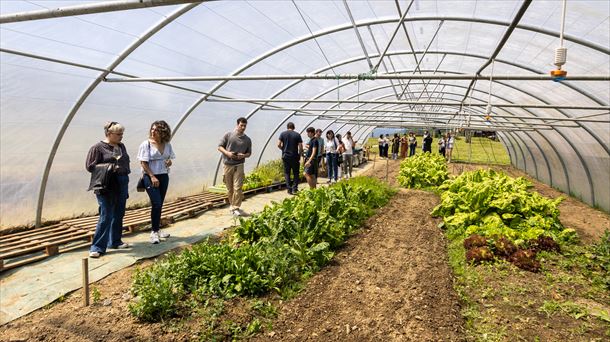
pixel 533 75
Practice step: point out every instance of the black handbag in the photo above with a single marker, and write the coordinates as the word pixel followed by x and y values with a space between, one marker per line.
pixel 140 186
pixel 100 177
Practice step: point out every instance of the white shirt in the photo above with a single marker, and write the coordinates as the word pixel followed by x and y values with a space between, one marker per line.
pixel 349 149
pixel 330 146
pixel 450 142
pixel 156 160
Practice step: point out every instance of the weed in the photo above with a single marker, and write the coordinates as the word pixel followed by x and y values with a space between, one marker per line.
pixel 266 309
pixel 550 307
pixel 96 295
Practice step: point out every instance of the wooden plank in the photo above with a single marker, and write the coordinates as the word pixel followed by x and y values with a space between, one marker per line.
pixel 19 263
pixel 51 249
pixel 13 236
pixel 41 247
pixel 31 243
pixel 17 242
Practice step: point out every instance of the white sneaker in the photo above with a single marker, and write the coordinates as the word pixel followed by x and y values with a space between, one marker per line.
pixel 124 245
pixel 242 213
pixel 163 234
pixel 94 255
pixel 235 213
pixel 154 238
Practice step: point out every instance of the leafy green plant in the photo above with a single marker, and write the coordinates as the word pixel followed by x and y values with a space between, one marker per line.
pixel 264 175
pixel 423 171
pixel 601 258
pixel 271 251
pixel 490 203
pixel 95 293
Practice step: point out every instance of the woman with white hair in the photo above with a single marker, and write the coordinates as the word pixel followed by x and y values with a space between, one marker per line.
pixel 108 160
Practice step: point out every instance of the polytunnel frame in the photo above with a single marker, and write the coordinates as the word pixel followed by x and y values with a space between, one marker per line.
pixel 582 92
pixel 514 152
pixel 177 13
pixel 375 22
pixel 457 86
pixel 68 119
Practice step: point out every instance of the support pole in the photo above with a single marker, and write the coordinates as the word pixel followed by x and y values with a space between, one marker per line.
pixel 100 7
pixel 86 281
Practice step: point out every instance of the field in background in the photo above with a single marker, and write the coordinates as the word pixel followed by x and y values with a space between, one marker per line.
pixel 480 150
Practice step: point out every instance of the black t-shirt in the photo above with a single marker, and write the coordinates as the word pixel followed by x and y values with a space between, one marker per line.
pixel 290 142
pixel 313 143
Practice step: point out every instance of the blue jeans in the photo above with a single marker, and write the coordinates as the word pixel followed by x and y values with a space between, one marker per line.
pixel 157 196
pixel 332 166
pixel 291 166
pixel 109 229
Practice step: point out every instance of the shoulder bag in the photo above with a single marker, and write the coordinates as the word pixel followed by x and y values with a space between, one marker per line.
pixel 140 187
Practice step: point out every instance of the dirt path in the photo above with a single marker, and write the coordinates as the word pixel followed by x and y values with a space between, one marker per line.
pixel 390 282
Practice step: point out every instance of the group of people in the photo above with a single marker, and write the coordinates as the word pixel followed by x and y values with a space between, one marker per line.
pixel 109 163
pixel 400 145
pixel 445 146
pixel 334 149
pixel 108 159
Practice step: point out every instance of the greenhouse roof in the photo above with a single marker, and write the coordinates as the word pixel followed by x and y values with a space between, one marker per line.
pixel 69 67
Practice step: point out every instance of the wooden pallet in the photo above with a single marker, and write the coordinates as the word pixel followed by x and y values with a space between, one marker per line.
pixel 24 247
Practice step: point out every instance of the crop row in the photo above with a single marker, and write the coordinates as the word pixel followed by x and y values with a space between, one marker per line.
pixel 271 251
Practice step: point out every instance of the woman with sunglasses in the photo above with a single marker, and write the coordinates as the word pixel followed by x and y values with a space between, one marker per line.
pixel 155 155
pixel 112 199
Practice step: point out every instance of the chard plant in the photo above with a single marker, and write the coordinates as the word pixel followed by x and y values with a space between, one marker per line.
pixel 422 171
pixel 271 251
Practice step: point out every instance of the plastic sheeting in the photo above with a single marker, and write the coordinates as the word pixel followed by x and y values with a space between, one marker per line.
pixel 284 38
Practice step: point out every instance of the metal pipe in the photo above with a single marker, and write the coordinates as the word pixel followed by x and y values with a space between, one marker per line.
pixel 472 77
pixel 457 103
pixel 500 45
pixel 68 119
pixel 523 117
pixel 351 18
pixel 100 7
pixel 418 67
pixel 402 18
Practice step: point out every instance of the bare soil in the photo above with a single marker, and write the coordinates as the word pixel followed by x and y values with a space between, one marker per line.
pixel 391 281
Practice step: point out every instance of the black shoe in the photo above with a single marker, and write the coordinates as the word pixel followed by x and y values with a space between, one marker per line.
pixel 289 192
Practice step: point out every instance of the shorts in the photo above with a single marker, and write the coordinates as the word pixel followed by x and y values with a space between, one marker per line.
pixel 312 169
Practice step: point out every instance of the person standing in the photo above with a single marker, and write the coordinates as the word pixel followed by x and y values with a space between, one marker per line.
pixel 235 147
pixel 112 200
pixel 155 155
pixel 441 145
pixel 412 144
pixel 311 159
pixel 380 146
pixel 427 143
pixel 386 145
pixel 320 156
pixel 449 147
pixel 404 141
pixel 330 148
pixel 395 146
pixel 291 144
pixel 348 155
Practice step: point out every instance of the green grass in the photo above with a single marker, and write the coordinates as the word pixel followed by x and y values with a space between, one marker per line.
pixel 480 151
